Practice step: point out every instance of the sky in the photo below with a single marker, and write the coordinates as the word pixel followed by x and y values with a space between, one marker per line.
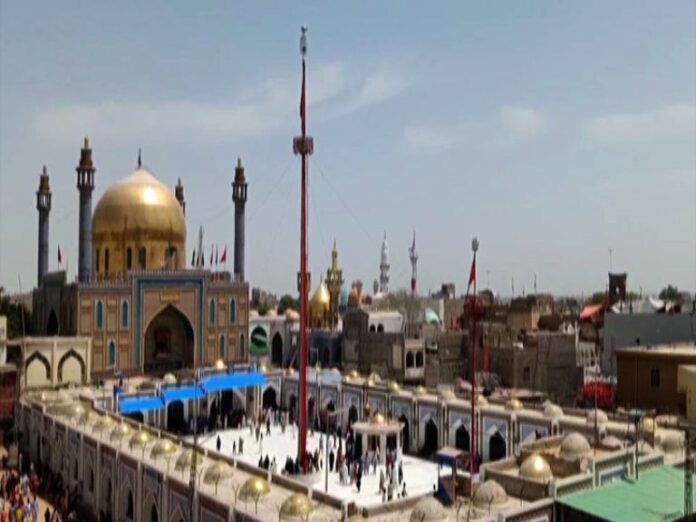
pixel 555 132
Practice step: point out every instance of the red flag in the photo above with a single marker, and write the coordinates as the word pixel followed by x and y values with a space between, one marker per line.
pixel 472 275
pixel 60 256
pixel 223 257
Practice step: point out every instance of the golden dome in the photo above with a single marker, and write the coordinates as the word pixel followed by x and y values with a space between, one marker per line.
pixel 536 467
pixel 574 446
pixel 319 307
pixel 420 390
pixel 488 494
pixel 393 386
pixel 164 447
pixel 377 419
pixel 514 405
pixel 254 487
pixel 296 505
pixel 138 212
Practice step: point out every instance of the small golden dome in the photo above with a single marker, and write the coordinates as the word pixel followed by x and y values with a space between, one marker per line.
pixel 169 378
pixel 377 419
pixel 120 431
pixel 393 386
pixel 647 424
pixel 574 446
pixel 354 297
pixel 488 494
pixel 292 316
pixel 296 505
pixel 163 447
pixel 420 390
pixel 428 509
pixel 514 405
pixel 139 211
pixel 535 467
pixel 254 487
pixel 220 364
pixel 140 438
pixel 481 400
pixel 448 394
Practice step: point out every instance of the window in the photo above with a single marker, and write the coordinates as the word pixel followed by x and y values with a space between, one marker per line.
pixel 242 347
pixel 106 261
pixel 211 312
pixel 233 311
pixel 655 377
pixel 409 360
pixel 97 260
pixel 419 359
pixel 526 374
pixel 380 328
pixel 111 355
pixel 129 506
pixel 99 319
pixel 129 258
pixel 142 258
pixel 222 347
pixel 124 315
pixel 372 328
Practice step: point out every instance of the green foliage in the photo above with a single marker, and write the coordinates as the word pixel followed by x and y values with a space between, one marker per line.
pixel 671 293
pixel 598 298
pixel 263 308
pixel 15 321
pixel 287 302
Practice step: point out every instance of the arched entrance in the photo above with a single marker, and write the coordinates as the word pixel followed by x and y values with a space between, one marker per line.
pixel 461 438
pixel 406 433
pixel 52 324
pixel 277 350
pixel 269 399
pixel 168 342
pixel 71 368
pixel 154 516
pixel 430 439
pixel 175 417
pixel 496 447
pixel 213 416
pixel 292 407
pixel 136 416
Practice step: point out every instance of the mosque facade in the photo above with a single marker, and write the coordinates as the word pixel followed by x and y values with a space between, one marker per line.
pixel 134 297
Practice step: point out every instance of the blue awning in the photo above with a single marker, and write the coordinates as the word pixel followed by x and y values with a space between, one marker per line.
pixel 216 383
pixel 181 393
pixel 134 404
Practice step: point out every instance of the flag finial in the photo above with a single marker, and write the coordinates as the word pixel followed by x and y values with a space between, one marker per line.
pixel 303 41
pixel 140 157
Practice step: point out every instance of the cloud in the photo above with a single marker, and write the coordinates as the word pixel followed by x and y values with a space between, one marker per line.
pixel 270 107
pixel 430 139
pixel 522 123
pixel 669 122
pixel 512 125
pixel 379 87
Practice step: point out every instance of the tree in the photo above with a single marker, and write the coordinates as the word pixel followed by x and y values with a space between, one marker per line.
pixel 598 298
pixel 19 318
pixel 671 293
pixel 287 302
pixel 263 308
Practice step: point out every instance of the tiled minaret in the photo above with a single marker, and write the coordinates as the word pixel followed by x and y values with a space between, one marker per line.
pixel 239 196
pixel 85 185
pixel 43 205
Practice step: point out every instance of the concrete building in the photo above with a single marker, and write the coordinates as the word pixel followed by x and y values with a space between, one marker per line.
pixel 648 377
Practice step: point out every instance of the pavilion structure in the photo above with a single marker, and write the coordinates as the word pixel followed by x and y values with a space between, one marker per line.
pixel 379 434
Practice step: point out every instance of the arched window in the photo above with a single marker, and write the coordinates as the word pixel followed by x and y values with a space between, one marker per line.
pixel 419 359
pixel 111 355
pixel 129 258
pixel 211 312
pixel 99 319
pixel 409 360
pixel 129 506
pixel 106 261
pixel 380 328
pixel 222 348
pixel 96 262
pixel 142 258
pixel 242 346
pixel 233 311
pixel 372 328
pixel 124 315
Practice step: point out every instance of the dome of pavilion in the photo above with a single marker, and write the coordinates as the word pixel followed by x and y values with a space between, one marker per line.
pixel 535 467
pixel 319 306
pixel 574 446
pixel 552 411
pixel 138 224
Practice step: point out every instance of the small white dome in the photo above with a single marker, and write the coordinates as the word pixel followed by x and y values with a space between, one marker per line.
pixel 490 493
pixel 169 378
pixel 428 509
pixel 574 447
pixel 552 411
pixel 601 417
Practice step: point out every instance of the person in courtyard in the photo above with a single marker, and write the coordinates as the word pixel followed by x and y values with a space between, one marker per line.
pixel 219 443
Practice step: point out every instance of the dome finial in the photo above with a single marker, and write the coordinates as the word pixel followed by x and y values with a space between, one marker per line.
pixel 239 162
pixel 86 143
pixel 140 158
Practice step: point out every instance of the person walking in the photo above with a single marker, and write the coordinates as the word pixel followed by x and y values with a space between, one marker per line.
pixel 219 443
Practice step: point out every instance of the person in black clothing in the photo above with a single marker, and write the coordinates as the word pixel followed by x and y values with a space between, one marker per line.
pixel 47 515
pixel 331 460
pixel 219 443
pixel 266 462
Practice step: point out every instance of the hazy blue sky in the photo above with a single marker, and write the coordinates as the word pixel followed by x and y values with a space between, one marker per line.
pixel 552 130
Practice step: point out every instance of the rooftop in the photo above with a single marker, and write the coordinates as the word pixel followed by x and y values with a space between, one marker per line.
pixel 657 495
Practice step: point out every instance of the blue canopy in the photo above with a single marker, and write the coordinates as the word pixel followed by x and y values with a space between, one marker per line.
pixel 181 393
pixel 216 383
pixel 134 404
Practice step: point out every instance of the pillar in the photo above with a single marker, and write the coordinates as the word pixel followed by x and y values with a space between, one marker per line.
pixel 239 196
pixel 85 185
pixel 43 205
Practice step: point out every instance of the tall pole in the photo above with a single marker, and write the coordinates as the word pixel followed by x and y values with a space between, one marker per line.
pixel 304 146
pixel 474 348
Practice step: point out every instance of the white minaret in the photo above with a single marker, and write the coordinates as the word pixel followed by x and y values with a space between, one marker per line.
pixel 413 256
pixel 384 267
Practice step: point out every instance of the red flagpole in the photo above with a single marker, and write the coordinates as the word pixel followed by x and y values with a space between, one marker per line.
pixel 474 348
pixel 304 146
